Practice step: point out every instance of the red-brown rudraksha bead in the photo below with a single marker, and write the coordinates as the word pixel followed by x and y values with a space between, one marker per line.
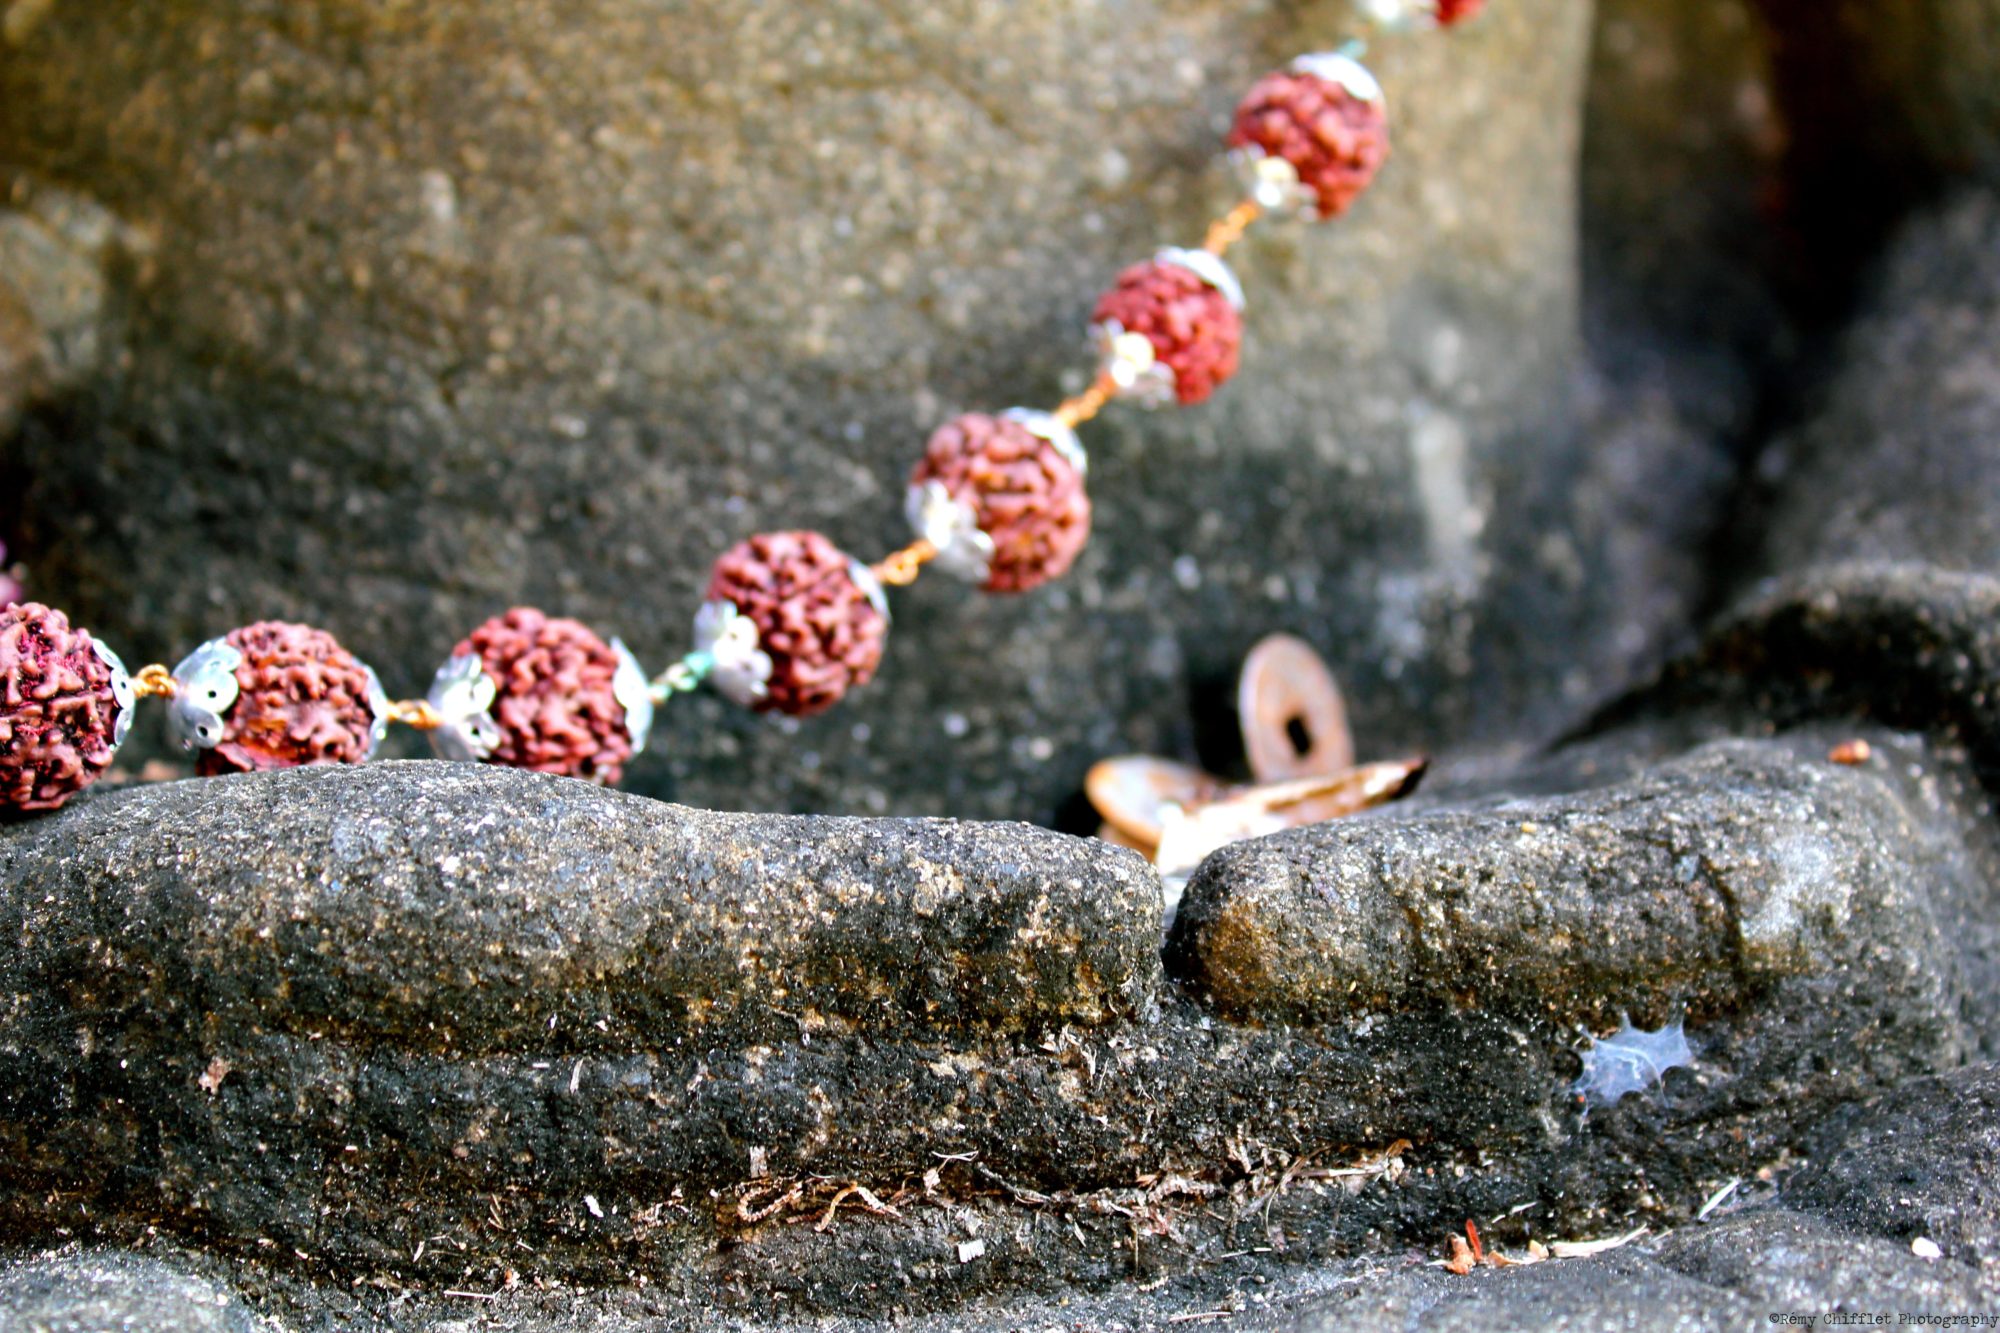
pixel 301 699
pixel 59 707
pixel 555 702
pixel 1193 325
pixel 819 616
pixel 1325 116
pixel 1023 490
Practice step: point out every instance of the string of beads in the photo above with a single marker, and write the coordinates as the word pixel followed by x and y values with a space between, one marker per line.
pixel 790 623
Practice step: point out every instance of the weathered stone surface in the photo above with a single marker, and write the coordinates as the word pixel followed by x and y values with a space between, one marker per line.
pixel 1922 1162
pixel 1928 1151
pixel 1683 313
pixel 1724 239
pixel 478 909
pixel 1842 650
pixel 1896 464
pixel 556 303
pixel 1801 1249
pixel 1737 1273
pixel 55 247
pixel 1895 92
pixel 344 1010
pixel 1725 144
pixel 1703 885
pixel 98 1291
pixel 409 1019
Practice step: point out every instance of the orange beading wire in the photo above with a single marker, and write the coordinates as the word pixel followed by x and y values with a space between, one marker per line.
pixel 416 713
pixel 153 681
pixel 1073 412
pixel 1228 229
pixel 902 567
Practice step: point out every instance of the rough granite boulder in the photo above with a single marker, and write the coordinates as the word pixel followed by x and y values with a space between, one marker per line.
pixel 95 1291
pixel 440 1024
pixel 471 910
pixel 1762 1252
pixel 1921 1163
pixel 1706 885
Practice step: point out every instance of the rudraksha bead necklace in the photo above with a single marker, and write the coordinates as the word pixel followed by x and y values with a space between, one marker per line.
pixel 790 623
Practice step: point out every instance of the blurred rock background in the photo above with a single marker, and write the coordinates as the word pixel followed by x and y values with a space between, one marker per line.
pixel 386 317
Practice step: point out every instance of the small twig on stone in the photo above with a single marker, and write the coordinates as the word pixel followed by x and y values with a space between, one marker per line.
pixel 745 1213
pixel 1717 1199
pixel 834 1207
pixel 1583 1249
pixel 1021 1194
pixel 854 1189
pixel 875 1205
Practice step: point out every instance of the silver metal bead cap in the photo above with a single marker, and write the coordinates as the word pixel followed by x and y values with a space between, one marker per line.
pixel 462 696
pixel 630 688
pixel 1050 427
pixel 1208 267
pixel 1129 361
pixel 1342 69
pixel 741 671
pixel 1273 182
pixel 378 708
pixel 951 525
pixel 870 585
pixel 121 691
pixel 1397 15
pixel 205 690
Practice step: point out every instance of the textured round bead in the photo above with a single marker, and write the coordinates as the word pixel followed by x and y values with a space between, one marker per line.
pixel 301 699
pixel 1334 137
pixel 1193 326
pixel 556 698
pixel 1024 492
pixel 819 616
pixel 59 708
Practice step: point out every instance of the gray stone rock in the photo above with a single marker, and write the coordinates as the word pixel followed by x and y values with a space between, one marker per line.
pixel 1724 242
pixel 1704 885
pixel 481 909
pixel 1899 95
pixel 1922 1163
pixel 1803 1250
pixel 1684 313
pixel 110 1291
pixel 440 1023
pixel 556 305
pixel 1841 650
pixel 1894 466
pixel 1778 1259
pixel 1826 1242
pixel 55 248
